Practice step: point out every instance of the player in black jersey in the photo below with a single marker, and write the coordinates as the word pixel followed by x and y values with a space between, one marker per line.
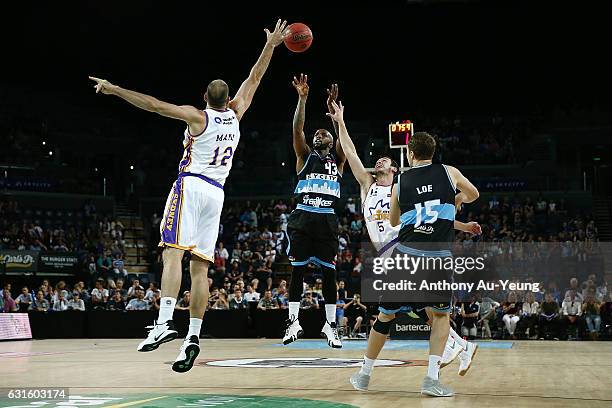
pixel 313 224
pixel 424 205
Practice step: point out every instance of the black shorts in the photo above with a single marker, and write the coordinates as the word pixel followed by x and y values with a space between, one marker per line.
pixel 313 238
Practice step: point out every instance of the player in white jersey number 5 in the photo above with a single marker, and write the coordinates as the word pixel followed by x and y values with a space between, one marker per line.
pixel 193 208
pixel 376 199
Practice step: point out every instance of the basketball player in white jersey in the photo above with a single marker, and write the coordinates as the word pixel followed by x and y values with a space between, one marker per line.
pixel 193 208
pixel 376 199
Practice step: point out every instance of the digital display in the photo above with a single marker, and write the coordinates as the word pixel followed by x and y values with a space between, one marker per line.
pixel 399 133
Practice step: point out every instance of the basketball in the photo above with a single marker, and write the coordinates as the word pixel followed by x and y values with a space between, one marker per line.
pixel 299 37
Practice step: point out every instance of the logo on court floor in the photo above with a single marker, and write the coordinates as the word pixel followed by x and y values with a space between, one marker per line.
pixel 305 363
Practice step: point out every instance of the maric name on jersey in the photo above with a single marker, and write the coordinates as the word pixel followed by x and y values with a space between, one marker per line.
pixel 316 201
pixel 172 212
pixel 221 138
pixel 321 177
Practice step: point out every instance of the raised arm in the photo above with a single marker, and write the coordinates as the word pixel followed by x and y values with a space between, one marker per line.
pixel 300 146
pixel 396 212
pixel 332 97
pixel 364 178
pixel 244 96
pixel 195 119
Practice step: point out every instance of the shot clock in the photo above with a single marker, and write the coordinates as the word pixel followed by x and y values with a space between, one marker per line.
pixel 400 133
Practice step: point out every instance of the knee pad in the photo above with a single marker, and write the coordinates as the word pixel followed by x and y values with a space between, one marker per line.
pixel 382 327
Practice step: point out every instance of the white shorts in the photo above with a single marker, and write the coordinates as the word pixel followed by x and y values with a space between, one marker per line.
pixel 191 217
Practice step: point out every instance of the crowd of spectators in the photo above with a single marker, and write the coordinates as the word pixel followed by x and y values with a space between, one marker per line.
pixel 578 311
pixel 98 239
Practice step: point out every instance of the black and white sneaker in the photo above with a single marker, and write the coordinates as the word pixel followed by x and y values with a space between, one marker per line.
pixel 293 331
pixel 189 351
pixel 330 332
pixel 158 334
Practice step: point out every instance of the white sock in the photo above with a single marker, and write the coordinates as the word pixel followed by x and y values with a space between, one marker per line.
pixel 433 369
pixel 367 366
pixel 330 312
pixel 294 310
pixel 460 341
pixel 166 309
pixel 195 325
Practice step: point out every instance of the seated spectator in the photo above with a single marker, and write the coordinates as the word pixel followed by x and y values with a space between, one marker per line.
pixel 573 287
pixel 24 300
pixel 119 270
pixel 155 301
pixel 8 303
pixel 40 304
pixel 267 302
pixel 318 288
pixel 355 311
pixel 61 304
pixel 221 303
pixel 139 302
pixel 282 296
pixel 251 295
pixel 592 315
pixel 119 288
pixel 342 290
pixel 76 303
pixel 213 296
pixel 571 315
pixel 470 311
pixel 549 317
pixel 238 301
pixel 132 290
pixel 529 315
pixel 510 317
pixel 488 308
pixel 151 291
pixel 184 303
pixel 99 295
pixel 117 302
pixel 308 302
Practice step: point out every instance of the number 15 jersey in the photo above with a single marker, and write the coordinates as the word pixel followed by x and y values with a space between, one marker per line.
pixel 427 202
pixel 210 153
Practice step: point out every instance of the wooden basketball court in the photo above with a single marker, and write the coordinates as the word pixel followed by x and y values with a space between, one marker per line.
pixel 241 373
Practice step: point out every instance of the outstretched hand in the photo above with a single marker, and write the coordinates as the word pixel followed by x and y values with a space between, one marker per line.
pixel 301 85
pixel 102 85
pixel 277 36
pixel 332 96
pixel 338 111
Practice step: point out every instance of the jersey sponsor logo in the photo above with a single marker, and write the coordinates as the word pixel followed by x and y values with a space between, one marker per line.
pixel 221 138
pixel 424 229
pixel 380 211
pixel 228 121
pixel 316 201
pixel 172 212
pixel 319 176
pixel 307 362
pixel 217 120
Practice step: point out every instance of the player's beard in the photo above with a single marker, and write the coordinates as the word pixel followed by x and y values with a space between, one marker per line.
pixel 320 147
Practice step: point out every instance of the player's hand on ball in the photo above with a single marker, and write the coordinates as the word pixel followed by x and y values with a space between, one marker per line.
pixel 277 36
pixel 338 114
pixel 102 85
pixel 301 85
pixel 474 228
pixel 332 96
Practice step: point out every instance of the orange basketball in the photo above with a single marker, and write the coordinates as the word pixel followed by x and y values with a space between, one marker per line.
pixel 298 38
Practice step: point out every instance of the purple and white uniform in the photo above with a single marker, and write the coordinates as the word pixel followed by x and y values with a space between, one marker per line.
pixel 193 207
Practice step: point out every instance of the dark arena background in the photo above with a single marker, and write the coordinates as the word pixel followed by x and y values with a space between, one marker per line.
pixel 515 93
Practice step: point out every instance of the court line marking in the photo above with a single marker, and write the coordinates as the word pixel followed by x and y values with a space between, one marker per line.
pixel 352 391
pixel 129 404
